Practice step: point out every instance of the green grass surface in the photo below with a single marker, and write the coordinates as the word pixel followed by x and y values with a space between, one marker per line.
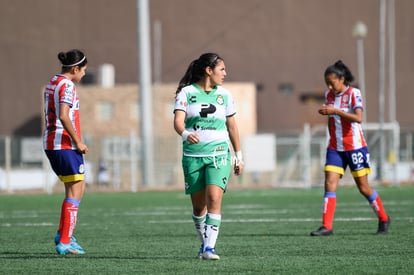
pixel 263 232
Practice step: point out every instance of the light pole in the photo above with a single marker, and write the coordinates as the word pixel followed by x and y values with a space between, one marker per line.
pixel 360 31
pixel 392 91
pixel 144 76
pixel 381 88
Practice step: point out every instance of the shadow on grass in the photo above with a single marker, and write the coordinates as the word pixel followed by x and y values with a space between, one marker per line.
pixel 338 234
pixel 273 234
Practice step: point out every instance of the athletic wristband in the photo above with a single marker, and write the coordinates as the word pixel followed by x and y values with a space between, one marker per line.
pixel 239 155
pixel 185 134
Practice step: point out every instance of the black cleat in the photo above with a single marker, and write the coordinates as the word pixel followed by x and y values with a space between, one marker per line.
pixel 383 227
pixel 322 231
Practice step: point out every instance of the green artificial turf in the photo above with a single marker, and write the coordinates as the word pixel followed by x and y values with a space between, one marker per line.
pixel 262 232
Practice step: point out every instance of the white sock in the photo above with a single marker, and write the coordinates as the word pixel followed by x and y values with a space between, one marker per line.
pixel 212 226
pixel 199 224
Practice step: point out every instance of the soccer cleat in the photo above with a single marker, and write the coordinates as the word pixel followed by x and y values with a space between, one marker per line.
pixel 322 231
pixel 57 238
pixel 383 227
pixel 73 242
pixel 210 254
pixel 64 249
pixel 200 251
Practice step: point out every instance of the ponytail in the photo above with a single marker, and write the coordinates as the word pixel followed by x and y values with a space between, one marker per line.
pixel 197 69
pixel 189 77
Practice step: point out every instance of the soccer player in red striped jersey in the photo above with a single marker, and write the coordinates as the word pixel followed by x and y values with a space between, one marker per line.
pixel 63 144
pixel 347 146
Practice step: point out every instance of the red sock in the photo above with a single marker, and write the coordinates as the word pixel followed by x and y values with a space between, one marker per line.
pixel 329 210
pixel 68 219
pixel 376 204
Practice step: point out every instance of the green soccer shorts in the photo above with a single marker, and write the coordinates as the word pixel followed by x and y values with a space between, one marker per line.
pixel 200 171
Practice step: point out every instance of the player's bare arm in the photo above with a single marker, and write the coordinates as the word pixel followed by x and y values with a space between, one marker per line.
pixel 67 124
pixel 179 127
pixel 330 110
pixel 235 141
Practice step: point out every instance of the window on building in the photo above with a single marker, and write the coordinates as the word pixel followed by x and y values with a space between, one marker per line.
pixel 105 111
pixel 286 88
pixel 135 110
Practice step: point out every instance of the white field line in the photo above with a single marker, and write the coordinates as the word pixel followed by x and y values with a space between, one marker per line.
pixel 27 224
pixel 245 210
pixel 183 211
pixel 273 220
pixel 255 220
pixel 230 209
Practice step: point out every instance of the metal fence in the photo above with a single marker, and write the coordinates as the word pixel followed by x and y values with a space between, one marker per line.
pixel 113 163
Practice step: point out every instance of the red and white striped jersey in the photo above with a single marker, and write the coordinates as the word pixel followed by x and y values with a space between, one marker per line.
pixel 60 90
pixel 345 135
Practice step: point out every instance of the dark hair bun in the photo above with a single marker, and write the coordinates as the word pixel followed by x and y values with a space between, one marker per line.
pixel 62 57
pixel 72 58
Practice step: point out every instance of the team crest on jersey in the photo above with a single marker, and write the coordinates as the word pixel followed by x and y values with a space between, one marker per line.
pixel 345 101
pixel 220 99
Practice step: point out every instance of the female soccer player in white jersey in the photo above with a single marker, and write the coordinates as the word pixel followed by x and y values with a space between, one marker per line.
pixel 347 146
pixel 63 144
pixel 204 117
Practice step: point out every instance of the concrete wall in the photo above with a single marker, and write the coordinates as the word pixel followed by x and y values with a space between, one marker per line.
pixel 124 99
pixel 267 42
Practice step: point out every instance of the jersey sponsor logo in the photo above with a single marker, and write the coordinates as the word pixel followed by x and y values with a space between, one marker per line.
pixel 205 127
pixel 181 103
pixel 220 148
pixel 68 95
pixel 207 109
pixel 198 127
pixel 345 98
pixel 81 169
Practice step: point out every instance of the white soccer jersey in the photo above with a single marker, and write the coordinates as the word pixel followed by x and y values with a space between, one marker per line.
pixel 206 115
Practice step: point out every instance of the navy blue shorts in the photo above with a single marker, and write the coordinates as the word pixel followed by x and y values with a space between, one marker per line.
pixel 67 164
pixel 357 160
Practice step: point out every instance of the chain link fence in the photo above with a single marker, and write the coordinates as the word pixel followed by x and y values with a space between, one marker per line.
pixel 113 163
